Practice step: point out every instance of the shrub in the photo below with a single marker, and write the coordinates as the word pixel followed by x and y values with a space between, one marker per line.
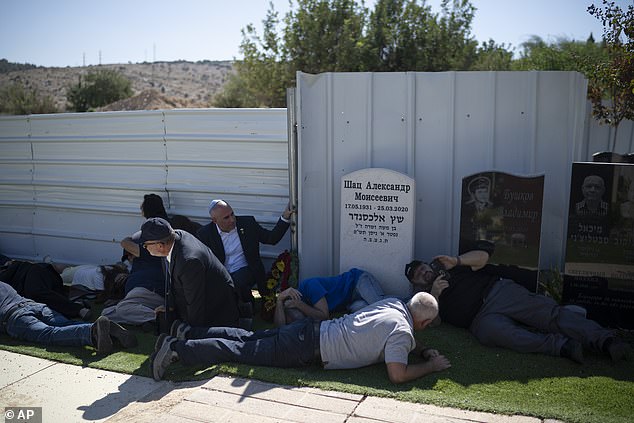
pixel 98 89
pixel 15 99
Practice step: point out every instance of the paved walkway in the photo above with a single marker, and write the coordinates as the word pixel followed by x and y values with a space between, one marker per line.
pixel 70 393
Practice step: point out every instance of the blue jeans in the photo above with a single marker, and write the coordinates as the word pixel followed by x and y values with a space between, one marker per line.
pixel 367 291
pixel 292 345
pixel 35 322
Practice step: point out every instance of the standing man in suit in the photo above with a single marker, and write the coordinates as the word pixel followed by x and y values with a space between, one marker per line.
pixel 235 240
pixel 199 289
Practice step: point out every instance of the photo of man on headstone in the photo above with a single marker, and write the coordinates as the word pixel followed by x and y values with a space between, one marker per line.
pixel 480 218
pixel 593 188
pixel 480 193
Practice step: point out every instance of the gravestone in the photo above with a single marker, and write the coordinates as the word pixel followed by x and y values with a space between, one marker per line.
pixel 377 226
pixel 505 209
pixel 599 269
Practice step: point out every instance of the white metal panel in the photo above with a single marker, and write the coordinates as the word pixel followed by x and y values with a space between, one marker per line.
pixel 434 152
pixel 599 137
pixel 441 127
pixel 71 184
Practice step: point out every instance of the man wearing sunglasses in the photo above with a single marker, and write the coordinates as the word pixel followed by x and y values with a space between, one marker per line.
pixel 199 289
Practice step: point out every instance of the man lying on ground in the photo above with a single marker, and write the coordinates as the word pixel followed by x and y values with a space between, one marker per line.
pixel 25 319
pixel 318 297
pixel 381 332
pixel 502 313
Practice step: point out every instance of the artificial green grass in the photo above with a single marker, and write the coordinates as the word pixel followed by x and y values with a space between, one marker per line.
pixel 481 378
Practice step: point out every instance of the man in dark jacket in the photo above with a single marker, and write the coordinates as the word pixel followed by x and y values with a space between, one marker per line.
pixel 199 288
pixel 40 282
pixel 502 313
pixel 235 240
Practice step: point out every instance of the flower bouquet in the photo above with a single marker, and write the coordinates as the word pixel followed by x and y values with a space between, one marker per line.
pixel 283 274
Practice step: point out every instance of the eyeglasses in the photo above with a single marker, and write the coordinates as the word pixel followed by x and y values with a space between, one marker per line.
pixel 147 244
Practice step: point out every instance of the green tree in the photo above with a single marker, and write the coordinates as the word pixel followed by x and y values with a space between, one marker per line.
pixel 562 55
pixel 613 78
pixel 98 89
pixel 323 36
pixel 15 99
pixel 342 36
pixel 492 57
pixel 400 35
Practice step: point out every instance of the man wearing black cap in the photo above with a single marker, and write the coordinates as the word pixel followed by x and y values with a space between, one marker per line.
pixel 199 289
pixel 235 240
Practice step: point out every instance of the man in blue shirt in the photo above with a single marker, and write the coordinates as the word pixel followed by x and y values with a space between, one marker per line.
pixel 318 297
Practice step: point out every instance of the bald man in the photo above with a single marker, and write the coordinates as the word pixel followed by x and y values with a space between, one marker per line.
pixel 236 240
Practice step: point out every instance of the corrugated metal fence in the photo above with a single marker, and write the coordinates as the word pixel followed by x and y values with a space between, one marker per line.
pixel 438 128
pixel 71 184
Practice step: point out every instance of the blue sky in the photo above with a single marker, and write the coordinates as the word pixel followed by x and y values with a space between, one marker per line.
pixel 73 32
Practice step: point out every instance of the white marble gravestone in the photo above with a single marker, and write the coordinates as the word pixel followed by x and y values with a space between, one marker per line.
pixel 377 226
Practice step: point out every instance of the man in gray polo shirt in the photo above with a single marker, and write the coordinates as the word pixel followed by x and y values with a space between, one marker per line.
pixel 380 332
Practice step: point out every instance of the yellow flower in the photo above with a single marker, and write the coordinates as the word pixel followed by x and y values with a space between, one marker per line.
pixel 280 266
pixel 270 284
pixel 275 273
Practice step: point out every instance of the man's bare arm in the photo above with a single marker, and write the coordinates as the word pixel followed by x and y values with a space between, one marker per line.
pixel 476 259
pixel 401 373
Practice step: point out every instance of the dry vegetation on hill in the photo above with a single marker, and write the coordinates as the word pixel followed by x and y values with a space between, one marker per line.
pixel 160 85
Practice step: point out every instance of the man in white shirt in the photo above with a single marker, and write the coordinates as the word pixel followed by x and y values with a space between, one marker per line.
pixel 236 240
pixel 380 332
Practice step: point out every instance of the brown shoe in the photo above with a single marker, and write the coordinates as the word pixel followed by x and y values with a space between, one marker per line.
pixel 100 332
pixel 124 336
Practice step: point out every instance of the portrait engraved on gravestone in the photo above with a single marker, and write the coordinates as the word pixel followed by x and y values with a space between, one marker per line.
pixel 505 209
pixel 377 226
pixel 599 268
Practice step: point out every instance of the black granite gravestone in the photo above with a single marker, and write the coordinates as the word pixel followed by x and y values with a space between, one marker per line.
pixel 506 210
pixel 599 271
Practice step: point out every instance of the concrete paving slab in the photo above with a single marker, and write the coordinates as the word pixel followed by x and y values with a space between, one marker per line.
pixel 70 393
pixel 389 410
pixel 155 407
pixel 15 367
pixel 263 407
pixel 315 399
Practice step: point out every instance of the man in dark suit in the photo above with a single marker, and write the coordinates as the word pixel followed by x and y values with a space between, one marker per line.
pixel 235 240
pixel 199 288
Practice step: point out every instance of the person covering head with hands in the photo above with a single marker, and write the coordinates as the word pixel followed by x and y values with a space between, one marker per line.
pixel 500 312
pixel 198 290
pixel 317 297
pixel 380 332
pixel 236 240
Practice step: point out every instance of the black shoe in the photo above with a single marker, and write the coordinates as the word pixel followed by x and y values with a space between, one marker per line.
pixel 573 350
pixel 179 329
pixel 163 356
pixel 124 336
pixel 100 332
pixel 617 349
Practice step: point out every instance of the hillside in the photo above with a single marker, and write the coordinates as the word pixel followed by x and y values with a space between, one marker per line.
pixel 171 84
